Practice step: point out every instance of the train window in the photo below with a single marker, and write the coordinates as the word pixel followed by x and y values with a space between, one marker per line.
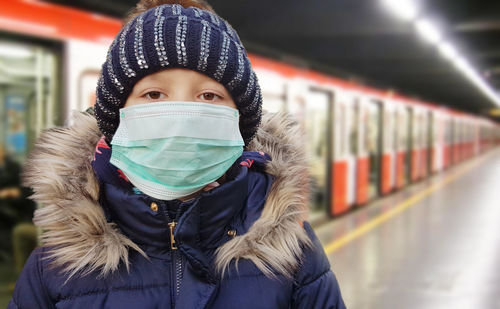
pixel 353 132
pixel 373 142
pixel 415 133
pixel 422 131
pixel 465 132
pixel 414 124
pixel 431 137
pixel 456 132
pixel 341 136
pixel 460 128
pixel 395 124
pixel 366 132
pixel 86 85
pixel 28 95
pixel 403 131
pixel 273 103
pixel 386 125
pixel 315 118
pixel 449 131
pixel 471 132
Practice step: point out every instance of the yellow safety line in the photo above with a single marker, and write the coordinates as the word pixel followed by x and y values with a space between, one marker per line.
pixel 368 226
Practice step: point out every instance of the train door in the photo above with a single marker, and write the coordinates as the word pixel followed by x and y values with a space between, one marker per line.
pixel 29 93
pixel 458 141
pixel 411 157
pixel 362 159
pixel 313 110
pixel 468 139
pixel 341 157
pixel 354 141
pixel 403 147
pixel 373 144
pixel 29 103
pixel 439 140
pixel 476 138
pixel 417 145
pixel 387 150
pixel 468 134
pixel 463 144
pixel 319 144
pixel 461 140
pixel 423 143
pixel 395 146
pixel 448 153
pixel 431 138
pixel 455 141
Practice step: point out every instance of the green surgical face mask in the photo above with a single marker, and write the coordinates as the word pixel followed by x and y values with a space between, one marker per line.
pixel 172 149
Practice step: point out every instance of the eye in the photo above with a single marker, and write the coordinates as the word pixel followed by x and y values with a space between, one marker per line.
pixel 210 96
pixel 154 95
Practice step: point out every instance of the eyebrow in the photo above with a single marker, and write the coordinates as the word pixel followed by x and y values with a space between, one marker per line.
pixel 214 83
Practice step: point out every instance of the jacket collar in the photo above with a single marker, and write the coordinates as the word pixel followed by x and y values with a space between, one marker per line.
pixel 204 221
pixel 82 240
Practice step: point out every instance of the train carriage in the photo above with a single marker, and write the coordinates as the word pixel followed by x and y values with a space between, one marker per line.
pixel 362 142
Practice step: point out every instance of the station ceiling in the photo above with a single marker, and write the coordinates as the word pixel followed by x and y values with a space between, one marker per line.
pixel 362 41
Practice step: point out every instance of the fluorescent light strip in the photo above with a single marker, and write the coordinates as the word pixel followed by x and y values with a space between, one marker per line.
pixel 428 31
pixel 408 10
pixel 404 9
pixel 451 54
pixel 448 51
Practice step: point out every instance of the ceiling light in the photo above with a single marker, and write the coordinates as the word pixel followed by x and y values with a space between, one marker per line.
pixel 448 51
pixel 408 10
pixel 428 31
pixel 463 66
pixel 474 77
pixel 404 9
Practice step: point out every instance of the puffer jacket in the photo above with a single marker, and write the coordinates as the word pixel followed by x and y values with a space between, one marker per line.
pixel 244 244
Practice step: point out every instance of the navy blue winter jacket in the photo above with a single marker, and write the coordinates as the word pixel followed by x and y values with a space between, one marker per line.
pixel 241 245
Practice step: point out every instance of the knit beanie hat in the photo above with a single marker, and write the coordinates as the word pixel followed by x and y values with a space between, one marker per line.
pixel 171 36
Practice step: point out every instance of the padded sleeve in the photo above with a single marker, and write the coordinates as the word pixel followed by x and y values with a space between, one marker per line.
pixel 324 292
pixel 30 291
pixel 316 285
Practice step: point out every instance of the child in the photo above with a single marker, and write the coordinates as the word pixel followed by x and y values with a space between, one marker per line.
pixel 153 203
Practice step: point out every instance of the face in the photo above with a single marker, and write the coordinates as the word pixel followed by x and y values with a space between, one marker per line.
pixel 179 85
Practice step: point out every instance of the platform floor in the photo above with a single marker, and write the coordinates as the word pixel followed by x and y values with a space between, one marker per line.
pixel 433 245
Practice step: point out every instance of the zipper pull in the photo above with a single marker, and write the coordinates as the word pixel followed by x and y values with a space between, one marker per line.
pixel 172 226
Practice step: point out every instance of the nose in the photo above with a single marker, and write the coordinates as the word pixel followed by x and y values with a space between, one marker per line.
pixel 181 93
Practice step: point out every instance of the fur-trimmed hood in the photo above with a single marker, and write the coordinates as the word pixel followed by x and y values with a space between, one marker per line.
pixel 82 240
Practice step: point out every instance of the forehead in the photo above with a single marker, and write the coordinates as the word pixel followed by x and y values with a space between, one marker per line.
pixel 177 75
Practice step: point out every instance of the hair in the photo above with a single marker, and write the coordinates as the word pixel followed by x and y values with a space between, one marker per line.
pixel 144 5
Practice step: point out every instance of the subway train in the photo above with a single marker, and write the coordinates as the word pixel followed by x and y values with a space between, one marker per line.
pixel 362 142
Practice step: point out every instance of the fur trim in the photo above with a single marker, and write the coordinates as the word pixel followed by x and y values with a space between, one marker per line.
pixel 72 221
pixel 274 242
pixel 82 241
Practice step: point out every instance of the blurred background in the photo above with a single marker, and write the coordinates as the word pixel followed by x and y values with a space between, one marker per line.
pixel 399 102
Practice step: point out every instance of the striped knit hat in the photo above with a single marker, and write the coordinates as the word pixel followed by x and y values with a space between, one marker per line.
pixel 171 36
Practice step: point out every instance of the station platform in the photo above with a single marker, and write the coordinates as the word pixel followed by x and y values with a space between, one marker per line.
pixel 433 245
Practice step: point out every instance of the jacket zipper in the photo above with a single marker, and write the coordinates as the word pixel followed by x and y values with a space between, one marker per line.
pixel 177 268
pixel 172 226
pixel 177 260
